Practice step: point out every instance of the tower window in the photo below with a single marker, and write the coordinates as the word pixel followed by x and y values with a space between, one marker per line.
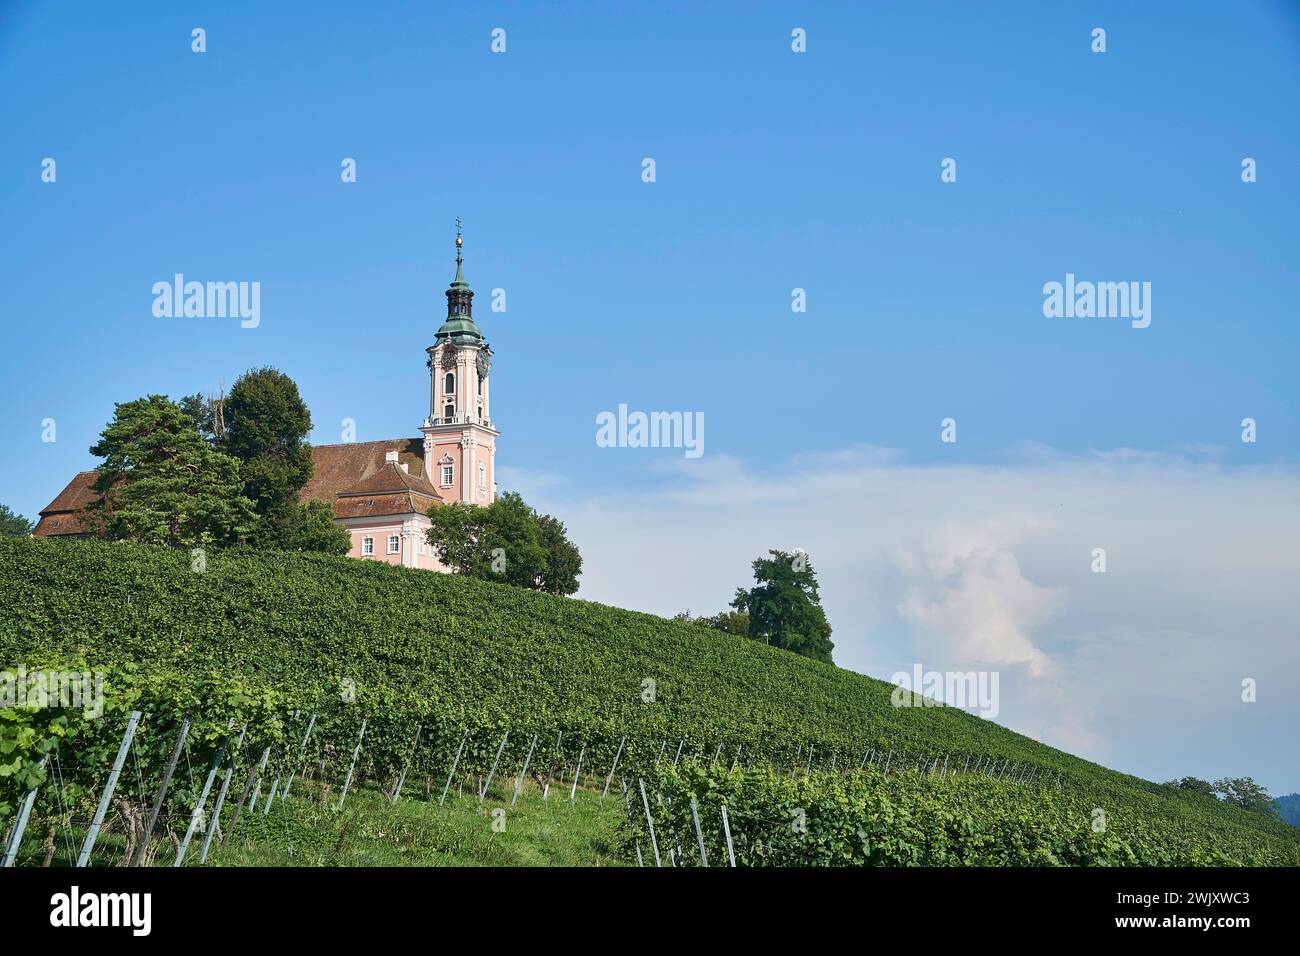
pixel 449 412
pixel 449 383
pixel 446 476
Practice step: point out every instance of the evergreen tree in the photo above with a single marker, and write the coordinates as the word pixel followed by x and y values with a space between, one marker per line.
pixel 161 483
pixel 13 525
pixel 208 414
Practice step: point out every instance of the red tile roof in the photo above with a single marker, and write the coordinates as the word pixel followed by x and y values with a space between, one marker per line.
pixel 63 514
pixel 354 477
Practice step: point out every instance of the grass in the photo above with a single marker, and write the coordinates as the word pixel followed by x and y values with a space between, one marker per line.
pixel 308 829
pixel 416 831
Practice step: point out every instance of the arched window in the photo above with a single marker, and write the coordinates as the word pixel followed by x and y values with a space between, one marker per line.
pixel 449 383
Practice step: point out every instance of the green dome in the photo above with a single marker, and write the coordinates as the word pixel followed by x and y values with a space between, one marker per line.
pixel 459 329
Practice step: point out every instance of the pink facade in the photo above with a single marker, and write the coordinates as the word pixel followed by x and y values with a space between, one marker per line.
pixel 393 541
pixel 459 440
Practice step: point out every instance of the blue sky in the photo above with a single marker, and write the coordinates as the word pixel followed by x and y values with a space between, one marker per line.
pixel 775 170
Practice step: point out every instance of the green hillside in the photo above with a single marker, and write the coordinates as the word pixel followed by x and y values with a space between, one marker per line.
pixel 271 637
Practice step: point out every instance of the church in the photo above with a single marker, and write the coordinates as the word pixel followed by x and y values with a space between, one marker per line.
pixel 382 490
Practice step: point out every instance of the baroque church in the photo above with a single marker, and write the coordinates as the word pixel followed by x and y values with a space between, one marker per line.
pixel 382 490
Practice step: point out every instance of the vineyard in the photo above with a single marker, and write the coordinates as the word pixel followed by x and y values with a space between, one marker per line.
pixel 246 676
pixel 762 817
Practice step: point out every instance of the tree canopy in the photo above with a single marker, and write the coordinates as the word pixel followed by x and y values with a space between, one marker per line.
pixel 264 423
pixel 729 622
pixel 266 428
pixel 505 541
pixel 13 525
pixel 1244 792
pixel 310 527
pixel 1241 792
pixel 213 470
pixel 161 483
pixel 784 606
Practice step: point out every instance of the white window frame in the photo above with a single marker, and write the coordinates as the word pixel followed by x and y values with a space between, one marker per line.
pixel 394 544
pixel 367 547
pixel 448 476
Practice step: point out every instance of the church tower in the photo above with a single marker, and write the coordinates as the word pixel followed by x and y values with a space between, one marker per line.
pixel 459 440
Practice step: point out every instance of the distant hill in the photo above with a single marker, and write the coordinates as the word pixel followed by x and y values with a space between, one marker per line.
pixel 449 653
pixel 1288 808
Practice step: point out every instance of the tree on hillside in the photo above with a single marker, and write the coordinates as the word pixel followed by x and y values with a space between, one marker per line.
pixel 1245 793
pixel 455 533
pixel 513 542
pixel 310 527
pixel 270 423
pixel 730 622
pixel 784 606
pixel 161 483
pixel 267 424
pixel 563 562
pixel 505 541
pixel 1239 791
pixel 13 525
pixel 1193 785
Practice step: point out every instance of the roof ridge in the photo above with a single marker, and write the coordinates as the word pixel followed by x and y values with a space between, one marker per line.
pixel 377 441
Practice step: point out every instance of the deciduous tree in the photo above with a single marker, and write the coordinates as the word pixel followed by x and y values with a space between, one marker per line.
pixel 506 541
pixel 267 424
pixel 784 606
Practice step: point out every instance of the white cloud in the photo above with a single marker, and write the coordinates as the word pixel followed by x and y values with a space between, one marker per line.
pixel 976 606
pixel 974 567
